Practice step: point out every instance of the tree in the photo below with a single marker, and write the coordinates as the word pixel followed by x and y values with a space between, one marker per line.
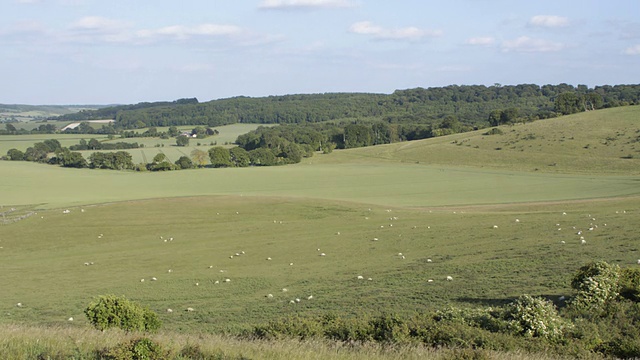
pixel 72 159
pixel 15 155
pixel 94 144
pixel 262 157
pixel 510 115
pixel 357 135
pixel 10 128
pixel 160 157
pixel 184 163
pixel 199 157
pixel 220 157
pixel 495 117
pixel 568 103
pixel 182 140
pixel 173 131
pixel 239 157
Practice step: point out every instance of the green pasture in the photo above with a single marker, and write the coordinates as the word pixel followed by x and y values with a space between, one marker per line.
pixel 386 183
pixel 43 256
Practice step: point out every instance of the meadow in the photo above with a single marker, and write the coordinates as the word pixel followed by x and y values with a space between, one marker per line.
pixel 402 216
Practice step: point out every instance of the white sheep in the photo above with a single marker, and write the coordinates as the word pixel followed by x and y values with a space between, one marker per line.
pixel 70 319
pixel 638 261
pixel 297 300
pixel 285 289
pixel 270 296
pixel 169 310
pixel 290 264
pixel 449 278
pixel 227 280
pixel 430 280
pixel 495 226
pixel 141 280
pixel 19 304
pixel 268 258
pixel 310 297
pixel 189 309
pixel 154 279
pixel 429 260
pixel 360 277
pixel 323 254
pixel 583 241
pixel 169 271
pixel 369 279
pixel 292 302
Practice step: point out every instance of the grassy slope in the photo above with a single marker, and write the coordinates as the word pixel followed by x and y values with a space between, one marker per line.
pixel 588 143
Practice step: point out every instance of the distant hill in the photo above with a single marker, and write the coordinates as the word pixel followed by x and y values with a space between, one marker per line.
pixel 595 142
pixel 19 112
pixel 472 105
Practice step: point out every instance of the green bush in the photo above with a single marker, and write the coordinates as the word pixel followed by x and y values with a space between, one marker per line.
pixel 534 317
pixel 596 285
pixel 630 284
pixel 109 311
pixel 136 349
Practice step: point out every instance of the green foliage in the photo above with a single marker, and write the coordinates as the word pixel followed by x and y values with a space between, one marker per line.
pixel 220 157
pixel 184 162
pixel 535 317
pixel 630 284
pixel 239 157
pixel 15 155
pixel 182 140
pixel 135 349
pixel 108 311
pixel 596 285
pixel 494 131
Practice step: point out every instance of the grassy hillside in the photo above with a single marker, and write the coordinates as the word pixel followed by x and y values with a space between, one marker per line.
pixel 596 142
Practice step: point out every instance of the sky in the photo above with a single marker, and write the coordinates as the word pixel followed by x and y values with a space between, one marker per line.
pixel 129 51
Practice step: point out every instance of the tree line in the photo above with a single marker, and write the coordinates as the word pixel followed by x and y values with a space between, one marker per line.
pixel 472 105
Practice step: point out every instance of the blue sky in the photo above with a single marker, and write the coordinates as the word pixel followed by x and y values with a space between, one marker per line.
pixel 128 51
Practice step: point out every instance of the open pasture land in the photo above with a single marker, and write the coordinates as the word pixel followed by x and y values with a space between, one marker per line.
pixel 595 142
pixel 192 245
pixel 22 142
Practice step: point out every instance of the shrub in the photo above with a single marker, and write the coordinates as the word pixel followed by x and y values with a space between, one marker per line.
pixel 630 284
pixel 136 349
pixel 109 311
pixel 596 285
pixel 534 317
pixel 494 131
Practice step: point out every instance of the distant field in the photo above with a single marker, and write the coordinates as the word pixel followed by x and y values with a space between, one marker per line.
pixel 152 146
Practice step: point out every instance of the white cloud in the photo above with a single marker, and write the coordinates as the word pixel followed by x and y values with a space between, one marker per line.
pixel 180 32
pixel 377 32
pixel 305 4
pixel 549 21
pixel 481 41
pixel 633 50
pixel 527 44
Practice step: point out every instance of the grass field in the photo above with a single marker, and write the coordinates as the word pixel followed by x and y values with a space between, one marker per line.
pixel 397 214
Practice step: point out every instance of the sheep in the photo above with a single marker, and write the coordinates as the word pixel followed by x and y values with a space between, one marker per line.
pixel 429 260
pixel 285 289
pixel 495 226
pixel 290 264
pixel 517 220
pixel 237 254
pixel 154 279
pixel 70 319
pixel 297 300
pixel 217 282
pixel 197 284
pixel 268 258
pixel 375 239
pixel 638 261
pixel 430 280
pixel 86 264
pixel 561 298
pixel 19 304
pixel 399 254
pixel 141 280
pixel 449 278
pixel 270 296
pixel 292 302
pixel 403 257
pixel 227 280
pixel 562 242
pixel 338 233
pixel 369 279
pixel 169 271
pixel 310 297
pixel 231 257
pixel 583 241
pixel 323 254
pixel 169 310
pixel 190 309
pixel 360 277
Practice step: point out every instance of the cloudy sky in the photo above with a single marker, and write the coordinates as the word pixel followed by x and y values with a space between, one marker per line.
pixel 127 51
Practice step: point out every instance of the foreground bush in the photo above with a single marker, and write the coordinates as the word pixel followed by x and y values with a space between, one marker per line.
pixel 108 311
pixel 136 349
pixel 535 317
pixel 596 285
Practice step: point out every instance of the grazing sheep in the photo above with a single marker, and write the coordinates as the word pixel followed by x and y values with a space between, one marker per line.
pixel 197 284
pixel 86 264
pixel 495 226
pixel 268 258
pixel 429 260
pixel 154 279
pixel 430 280
pixel 369 279
pixel 375 239
pixel 290 264
pixel 190 309
pixel 360 277
pixel 70 319
pixel 19 304
pixel 141 280
pixel 517 220
pixel 227 280
pixel 449 278
pixel 297 300
pixel 231 257
pixel 169 271
pixel 399 254
pixel 638 261
pixel 310 297
pixel 292 302
pixel 583 241
pixel 217 282
pixel 322 254
pixel 169 310
pixel 270 296
pixel 562 242
pixel 285 289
